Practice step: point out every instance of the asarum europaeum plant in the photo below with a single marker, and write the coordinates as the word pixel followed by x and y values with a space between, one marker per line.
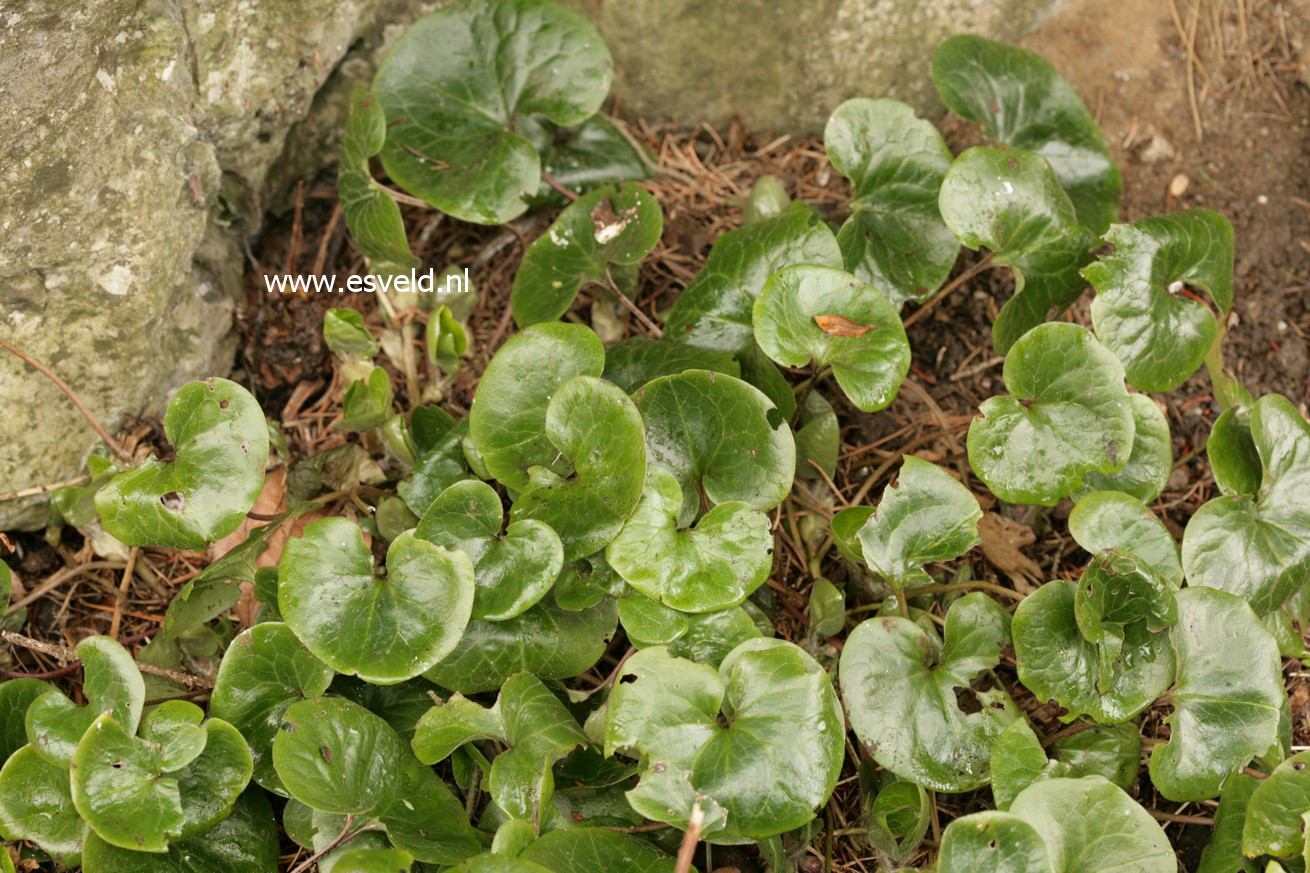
pixel 406 699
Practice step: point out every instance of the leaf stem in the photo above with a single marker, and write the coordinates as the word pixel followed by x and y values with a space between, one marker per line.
pixel 966 586
pixel 63 386
pixel 632 307
pixel 1227 391
pixel 42 489
pixel 340 838
pixel 554 183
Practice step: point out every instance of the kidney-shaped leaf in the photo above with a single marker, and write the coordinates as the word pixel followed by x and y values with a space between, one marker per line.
pixel 1067 414
pixel 1160 334
pixel 720 437
pixel 895 238
pixel 382 629
pixel 766 767
pixel 507 421
pixel 926 516
pixel 513 570
pixel 36 803
pixel 1113 520
pixel 714 311
pixel 612 225
pixel 221 441
pixel 1022 100
pixel 456 83
pixel 370 211
pixel 1259 547
pixel 112 683
pixel 900 682
pixel 1151 460
pixel 1274 824
pixel 712 566
pixel 1227 698
pixel 807 313
pixel 1010 201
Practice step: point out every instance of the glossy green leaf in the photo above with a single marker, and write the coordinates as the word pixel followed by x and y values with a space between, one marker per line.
pixel 221 442
pixel 594 153
pixel 112 683
pixel 1022 100
pixel 507 422
pixel 1273 812
pixel 1114 597
pixel 453 114
pixel 758 370
pixel 1162 336
pixel 1232 453
pixel 1067 414
pixel 374 861
pixel 616 225
pixel 174 727
pixel 1056 662
pixel 818 439
pixel 511 570
pixel 370 211
pixel 400 706
pixel 1227 697
pixel 1259 548
pixel 345 333
pixel 829 317
pixel 439 440
pixel 445 339
pixel 720 437
pixel 36 804
pixel 711 636
pixel 1112 752
pixel 827 608
pixel 1018 760
pixel 927 516
pixel 714 565
pixel 714 311
pixel 16 695
pixel 393 518
pixel 264 670
pixel 211 784
pixel 899 683
pixel 596 428
pixel 1223 854
pixel 1114 520
pixel 367 402
pixel 897 819
pixel 587 850
pixel 635 361
pixel 895 238
pixel 993 842
pixel 846 526
pixel 1010 201
pixel 650 623
pixel 546 641
pixel 768 198
pixel 381 629
pixel 1151 461
pixel 766 769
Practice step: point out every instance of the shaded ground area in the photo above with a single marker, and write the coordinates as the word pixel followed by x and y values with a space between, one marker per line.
pixel 1225 125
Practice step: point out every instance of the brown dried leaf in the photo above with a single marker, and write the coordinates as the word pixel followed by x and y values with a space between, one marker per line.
pixel 840 325
pixel 1001 540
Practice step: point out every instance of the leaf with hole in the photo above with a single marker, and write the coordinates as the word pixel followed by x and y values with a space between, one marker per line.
pixel 221 442
pixel 808 314
pixel 1010 201
pixel 1141 312
pixel 906 690
pixel 895 238
pixel 1259 547
pixel 452 115
pixel 613 225
pixel 1067 415
pixel 382 629
pixel 371 214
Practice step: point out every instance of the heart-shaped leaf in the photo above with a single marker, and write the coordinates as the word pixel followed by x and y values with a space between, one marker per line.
pixel 370 211
pixel 367 402
pixel 1010 201
pixel 1259 547
pixel 1227 697
pixel 264 670
pixel 714 311
pixel 112 684
pixel 338 757
pixel 1232 453
pixel 1113 520
pixel 900 686
pixel 828 317
pixel 895 238
pixel 594 153
pixel 712 566
pixel 1022 100
pixel 174 727
pixel 36 804
pixel 507 422
pixel 720 437
pixel 827 608
pixel 586 850
pixel 634 362
pixel 1060 826
pixel 1139 312
pixel 927 516
pixel 16 696
pixel 221 440
pixel 597 429
pixel 1275 809
pixel 511 571
pixel 1056 662
pixel 611 225
pixel 452 114
pixel 1224 854
pixel 1067 414
pixel 846 526
pixel 438 439
pixel 766 769
pixel 244 842
pixel 546 641
pixel 1151 460
pixel 382 629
